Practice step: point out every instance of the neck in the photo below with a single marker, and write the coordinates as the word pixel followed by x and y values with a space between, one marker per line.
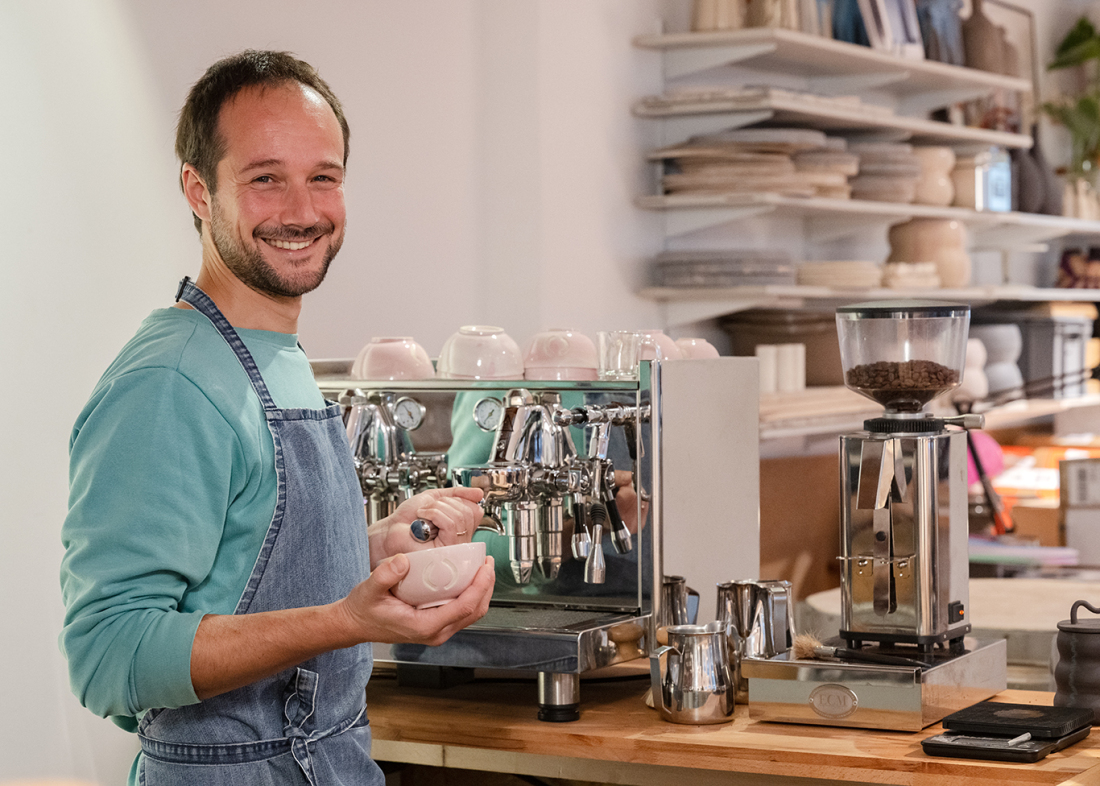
pixel 243 306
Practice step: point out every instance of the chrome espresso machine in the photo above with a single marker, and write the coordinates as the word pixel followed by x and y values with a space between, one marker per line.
pixel 568 599
pixel 903 660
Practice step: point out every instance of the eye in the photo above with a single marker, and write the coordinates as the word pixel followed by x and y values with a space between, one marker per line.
pixel 262 179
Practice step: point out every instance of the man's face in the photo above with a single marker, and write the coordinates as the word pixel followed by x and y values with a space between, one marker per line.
pixel 277 217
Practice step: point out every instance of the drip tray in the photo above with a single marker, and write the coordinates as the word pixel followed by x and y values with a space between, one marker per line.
pixel 872 696
pixel 535 639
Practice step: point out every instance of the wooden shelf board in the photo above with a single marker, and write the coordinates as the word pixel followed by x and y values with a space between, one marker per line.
pixel 791 51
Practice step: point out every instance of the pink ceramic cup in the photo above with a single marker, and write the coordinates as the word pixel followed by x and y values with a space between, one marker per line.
pixel 696 348
pixel 392 358
pixel 437 576
pixel 560 353
pixel 480 352
pixel 665 344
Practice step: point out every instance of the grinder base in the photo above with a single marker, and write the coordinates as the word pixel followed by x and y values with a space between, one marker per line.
pixel 872 696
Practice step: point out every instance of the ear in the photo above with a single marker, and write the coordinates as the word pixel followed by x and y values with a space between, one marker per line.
pixel 195 190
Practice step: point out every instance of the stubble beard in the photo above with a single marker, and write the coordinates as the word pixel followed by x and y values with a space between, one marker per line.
pixel 254 271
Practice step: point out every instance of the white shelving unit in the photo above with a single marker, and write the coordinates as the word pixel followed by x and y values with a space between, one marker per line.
pixel 902 93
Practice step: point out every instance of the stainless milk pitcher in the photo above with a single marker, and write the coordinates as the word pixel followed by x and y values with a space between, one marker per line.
pixel 676 602
pixel 693 676
pixel 759 612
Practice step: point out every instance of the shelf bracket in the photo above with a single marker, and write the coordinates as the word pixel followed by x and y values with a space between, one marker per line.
pixel 684 222
pixel 692 60
pixel 920 104
pixel 1011 237
pixel 676 129
pixel 854 83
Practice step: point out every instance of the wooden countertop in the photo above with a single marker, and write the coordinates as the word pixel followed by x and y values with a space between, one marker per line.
pixel 491 726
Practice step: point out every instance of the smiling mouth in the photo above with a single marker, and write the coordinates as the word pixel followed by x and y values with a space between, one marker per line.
pixel 289 245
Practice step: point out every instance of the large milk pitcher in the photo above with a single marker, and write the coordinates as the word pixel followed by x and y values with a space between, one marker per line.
pixel 760 614
pixel 693 677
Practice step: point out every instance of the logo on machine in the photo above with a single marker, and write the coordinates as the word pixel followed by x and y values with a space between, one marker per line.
pixel 833 701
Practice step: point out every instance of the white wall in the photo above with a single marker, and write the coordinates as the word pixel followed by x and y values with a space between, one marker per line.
pixel 494 159
pixel 493 162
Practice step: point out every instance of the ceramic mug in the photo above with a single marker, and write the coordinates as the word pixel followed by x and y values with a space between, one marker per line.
pixel 439 575
pixel 561 353
pixel 480 352
pixel 392 358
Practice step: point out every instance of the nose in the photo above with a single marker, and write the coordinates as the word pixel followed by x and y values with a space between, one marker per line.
pixel 298 207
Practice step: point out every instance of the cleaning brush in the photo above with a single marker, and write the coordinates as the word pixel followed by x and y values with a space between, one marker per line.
pixel 809 647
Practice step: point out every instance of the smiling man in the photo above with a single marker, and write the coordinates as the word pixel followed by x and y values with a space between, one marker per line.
pixel 218 569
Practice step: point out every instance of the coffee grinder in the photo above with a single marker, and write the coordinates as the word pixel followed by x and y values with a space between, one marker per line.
pixel 903 499
pixel 903 541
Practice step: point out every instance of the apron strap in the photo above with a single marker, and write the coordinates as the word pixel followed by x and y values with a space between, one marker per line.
pixel 201 302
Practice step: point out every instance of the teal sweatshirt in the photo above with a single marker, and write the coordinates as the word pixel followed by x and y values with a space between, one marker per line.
pixel 172 489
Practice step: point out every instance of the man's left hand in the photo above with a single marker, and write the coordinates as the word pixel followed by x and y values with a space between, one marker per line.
pixel 454 511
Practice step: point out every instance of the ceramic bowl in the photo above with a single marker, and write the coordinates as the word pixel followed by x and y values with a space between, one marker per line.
pixel 696 348
pixel 437 576
pixel 658 339
pixel 560 353
pixel 480 352
pixel 392 358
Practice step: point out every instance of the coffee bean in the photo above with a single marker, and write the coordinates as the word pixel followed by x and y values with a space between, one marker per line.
pixel 905 386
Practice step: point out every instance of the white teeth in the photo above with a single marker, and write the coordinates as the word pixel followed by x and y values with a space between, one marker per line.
pixel 289 246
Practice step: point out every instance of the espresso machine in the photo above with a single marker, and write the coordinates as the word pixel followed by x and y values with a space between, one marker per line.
pixel 904 565
pixel 575 587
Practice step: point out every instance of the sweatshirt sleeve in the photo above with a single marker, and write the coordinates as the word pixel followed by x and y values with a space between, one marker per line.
pixel 151 477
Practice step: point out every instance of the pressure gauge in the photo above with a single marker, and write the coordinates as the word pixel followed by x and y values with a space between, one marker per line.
pixel 408 414
pixel 487 413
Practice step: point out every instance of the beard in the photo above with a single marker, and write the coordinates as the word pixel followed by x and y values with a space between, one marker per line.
pixel 248 264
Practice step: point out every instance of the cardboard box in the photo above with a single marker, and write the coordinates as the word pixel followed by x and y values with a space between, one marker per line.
pixel 1040 519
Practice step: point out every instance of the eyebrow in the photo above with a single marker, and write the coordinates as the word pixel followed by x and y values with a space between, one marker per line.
pixel 268 162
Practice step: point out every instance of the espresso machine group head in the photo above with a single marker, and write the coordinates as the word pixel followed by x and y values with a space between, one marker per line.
pixel 536 471
pixel 903 512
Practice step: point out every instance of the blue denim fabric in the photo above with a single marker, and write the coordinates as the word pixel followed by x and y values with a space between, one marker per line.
pixel 307 724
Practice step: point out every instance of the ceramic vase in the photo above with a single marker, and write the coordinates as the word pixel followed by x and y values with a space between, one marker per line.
pixel 1052 186
pixel 982 41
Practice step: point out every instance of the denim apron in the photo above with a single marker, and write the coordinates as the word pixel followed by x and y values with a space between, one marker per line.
pixel 305 725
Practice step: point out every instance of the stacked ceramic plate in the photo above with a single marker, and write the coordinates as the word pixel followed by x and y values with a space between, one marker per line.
pixel 833 164
pixel 842 275
pixel 748 160
pixel 730 268
pixel 888 172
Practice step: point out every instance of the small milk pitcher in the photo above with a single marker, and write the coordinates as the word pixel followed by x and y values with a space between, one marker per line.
pixel 759 612
pixel 693 677
pixel 679 602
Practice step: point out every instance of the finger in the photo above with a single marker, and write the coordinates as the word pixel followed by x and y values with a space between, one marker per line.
pixel 390 571
pixel 461 492
pixel 624 477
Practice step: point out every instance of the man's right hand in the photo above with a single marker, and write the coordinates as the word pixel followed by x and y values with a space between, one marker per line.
pixel 232 650
pixel 373 613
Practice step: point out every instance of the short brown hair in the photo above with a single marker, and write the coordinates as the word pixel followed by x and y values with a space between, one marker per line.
pixel 197 139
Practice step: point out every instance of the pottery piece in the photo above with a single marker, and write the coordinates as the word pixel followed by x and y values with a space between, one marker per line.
pixel 982 41
pixel 1077 673
pixel 942 241
pixel 1052 185
pixel 935 186
pixel 1028 184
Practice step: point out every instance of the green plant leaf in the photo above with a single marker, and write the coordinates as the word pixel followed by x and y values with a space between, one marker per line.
pixel 1076 55
pixel 1078 34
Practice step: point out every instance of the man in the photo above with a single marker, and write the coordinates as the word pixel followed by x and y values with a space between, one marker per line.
pixel 216 565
